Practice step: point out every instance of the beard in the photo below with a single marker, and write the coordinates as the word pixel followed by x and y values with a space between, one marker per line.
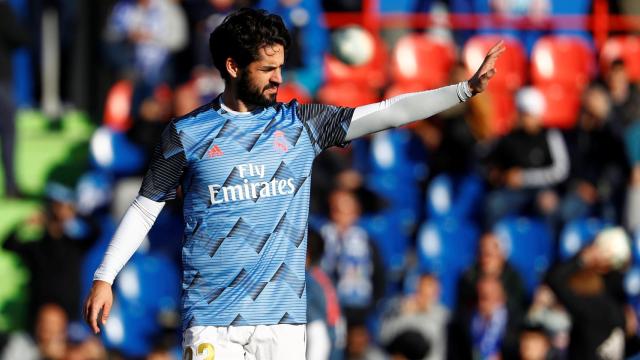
pixel 252 95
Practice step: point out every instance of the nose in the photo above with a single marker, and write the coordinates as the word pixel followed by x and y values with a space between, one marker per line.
pixel 276 77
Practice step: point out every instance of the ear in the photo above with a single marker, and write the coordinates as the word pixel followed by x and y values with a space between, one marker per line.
pixel 232 68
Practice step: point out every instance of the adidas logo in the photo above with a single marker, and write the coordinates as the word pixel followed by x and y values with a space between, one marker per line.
pixel 214 152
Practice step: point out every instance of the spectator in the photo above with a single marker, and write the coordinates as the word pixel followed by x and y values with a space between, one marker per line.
pixel 526 164
pixel 632 209
pixel 204 16
pixel 408 345
pixel 55 259
pixel 351 258
pixel 593 294
pixel 87 348
pixel 141 37
pixel 422 313
pixel 535 344
pixel 625 97
pixel 305 21
pixel 160 354
pixel 489 330
pixel 491 261
pixel 47 341
pixel 12 36
pixel 153 115
pixel 51 332
pixel 359 344
pixel 451 136
pixel 548 313
pixel 325 325
pixel 597 181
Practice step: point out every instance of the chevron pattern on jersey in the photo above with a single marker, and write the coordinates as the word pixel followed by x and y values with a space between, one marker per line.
pixel 243 231
pixel 286 275
pixel 288 231
pixel 244 261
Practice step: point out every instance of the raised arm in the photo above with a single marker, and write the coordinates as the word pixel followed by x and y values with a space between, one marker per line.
pixel 406 108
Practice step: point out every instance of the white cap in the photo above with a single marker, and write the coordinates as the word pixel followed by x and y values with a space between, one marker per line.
pixel 530 100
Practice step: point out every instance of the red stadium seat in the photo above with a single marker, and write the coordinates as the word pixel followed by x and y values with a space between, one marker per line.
pixel 347 94
pixel 626 48
pixel 512 64
pixel 117 109
pixel 565 60
pixel 562 106
pixel 503 110
pixel 372 74
pixel 422 60
pixel 290 91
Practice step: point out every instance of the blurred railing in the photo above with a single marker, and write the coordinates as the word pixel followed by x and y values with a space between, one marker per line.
pixel 600 22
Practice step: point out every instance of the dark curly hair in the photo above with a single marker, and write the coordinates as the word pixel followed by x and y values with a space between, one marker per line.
pixel 242 34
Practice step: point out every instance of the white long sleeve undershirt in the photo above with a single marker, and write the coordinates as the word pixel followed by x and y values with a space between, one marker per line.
pixel 397 111
pixel 403 109
pixel 133 228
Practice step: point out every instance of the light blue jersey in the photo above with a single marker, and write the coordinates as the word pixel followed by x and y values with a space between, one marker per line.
pixel 246 185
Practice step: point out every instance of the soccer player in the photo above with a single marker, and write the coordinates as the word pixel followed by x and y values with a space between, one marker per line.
pixel 243 162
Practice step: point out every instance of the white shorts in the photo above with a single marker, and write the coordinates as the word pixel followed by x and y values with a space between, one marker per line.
pixel 261 342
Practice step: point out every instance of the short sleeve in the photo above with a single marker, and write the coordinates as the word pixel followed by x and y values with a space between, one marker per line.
pixel 327 124
pixel 167 166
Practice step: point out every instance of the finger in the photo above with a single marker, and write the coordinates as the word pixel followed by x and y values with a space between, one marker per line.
pixel 93 317
pixel 85 312
pixel 489 74
pixel 494 55
pixel 495 48
pixel 105 312
pixel 491 58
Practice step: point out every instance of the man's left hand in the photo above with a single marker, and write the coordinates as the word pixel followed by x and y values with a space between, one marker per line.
pixel 479 81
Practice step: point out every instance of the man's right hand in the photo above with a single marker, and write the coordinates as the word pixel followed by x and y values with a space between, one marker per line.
pixel 98 303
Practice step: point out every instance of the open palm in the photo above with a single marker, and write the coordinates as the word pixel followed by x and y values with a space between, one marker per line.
pixel 479 81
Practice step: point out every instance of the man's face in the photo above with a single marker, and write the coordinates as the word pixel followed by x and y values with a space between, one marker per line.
pixel 258 83
pixel 491 257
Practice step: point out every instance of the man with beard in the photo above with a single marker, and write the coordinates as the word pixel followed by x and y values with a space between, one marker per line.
pixel 243 162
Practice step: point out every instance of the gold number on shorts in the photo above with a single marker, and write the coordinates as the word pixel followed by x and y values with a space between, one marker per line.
pixel 188 354
pixel 211 352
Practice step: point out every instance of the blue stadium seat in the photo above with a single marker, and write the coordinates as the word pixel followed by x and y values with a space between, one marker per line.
pixel 632 284
pixel 93 257
pixel 635 247
pixel 446 247
pixel 448 196
pixel 578 233
pixel 141 302
pixel 113 152
pixel 528 244
pixel 390 231
pixel 440 196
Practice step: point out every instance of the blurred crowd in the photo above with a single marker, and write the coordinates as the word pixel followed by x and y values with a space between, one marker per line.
pixel 465 236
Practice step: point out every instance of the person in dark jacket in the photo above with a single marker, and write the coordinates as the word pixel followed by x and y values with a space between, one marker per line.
pixel 54 260
pixel 526 164
pixel 487 331
pixel 491 261
pixel 593 294
pixel 599 164
pixel 12 36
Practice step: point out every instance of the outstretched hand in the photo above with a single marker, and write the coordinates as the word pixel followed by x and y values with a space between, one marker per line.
pixel 479 81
